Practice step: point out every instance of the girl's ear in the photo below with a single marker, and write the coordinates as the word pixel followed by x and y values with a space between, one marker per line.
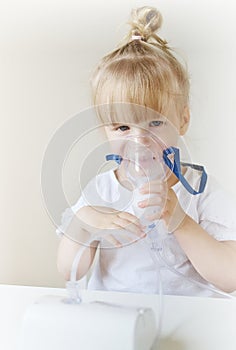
pixel 185 119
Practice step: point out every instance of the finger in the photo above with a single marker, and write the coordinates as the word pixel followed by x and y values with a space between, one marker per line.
pixel 154 217
pixel 130 217
pixel 152 187
pixel 128 237
pixel 111 239
pixel 152 201
pixel 129 226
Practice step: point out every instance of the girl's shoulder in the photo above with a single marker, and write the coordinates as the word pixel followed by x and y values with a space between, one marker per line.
pixel 101 189
pixel 214 202
pixel 194 176
pixel 96 192
pixel 217 208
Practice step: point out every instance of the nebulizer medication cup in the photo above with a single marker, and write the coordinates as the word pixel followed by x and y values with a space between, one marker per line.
pixel 143 164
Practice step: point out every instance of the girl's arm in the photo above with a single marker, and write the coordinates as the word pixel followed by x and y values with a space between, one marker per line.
pixel 214 260
pixel 87 225
pixel 66 253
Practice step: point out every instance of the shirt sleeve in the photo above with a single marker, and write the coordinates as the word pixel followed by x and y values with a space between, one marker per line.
pixel 91 195
pixel 68 215
pixel 217 213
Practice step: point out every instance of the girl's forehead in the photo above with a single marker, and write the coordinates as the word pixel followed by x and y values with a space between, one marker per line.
pixel 134 122
pixel 128 114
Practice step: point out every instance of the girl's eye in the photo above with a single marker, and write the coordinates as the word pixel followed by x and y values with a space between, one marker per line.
pixel 156 123
pixel 123 128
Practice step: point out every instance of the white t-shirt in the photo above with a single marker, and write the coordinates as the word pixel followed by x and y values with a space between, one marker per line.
pixel 132 268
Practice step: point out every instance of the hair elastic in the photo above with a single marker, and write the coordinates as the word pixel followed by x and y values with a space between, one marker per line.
pixel 136 37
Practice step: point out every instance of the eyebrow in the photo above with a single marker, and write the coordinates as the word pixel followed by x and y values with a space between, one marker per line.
pixel 116 124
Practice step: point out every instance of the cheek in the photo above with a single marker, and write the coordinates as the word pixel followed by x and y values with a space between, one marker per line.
pixel 167 137
pixel 107 133
pixel 172 139
pixel 117 146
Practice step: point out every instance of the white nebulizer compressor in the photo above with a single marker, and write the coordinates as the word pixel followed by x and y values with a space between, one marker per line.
pixel 60 324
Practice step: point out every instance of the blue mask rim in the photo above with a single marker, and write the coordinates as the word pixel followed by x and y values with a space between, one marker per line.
pixel 175 167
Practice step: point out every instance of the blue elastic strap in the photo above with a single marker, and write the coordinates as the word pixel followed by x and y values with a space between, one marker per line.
pixel 176 168
pixel 118 159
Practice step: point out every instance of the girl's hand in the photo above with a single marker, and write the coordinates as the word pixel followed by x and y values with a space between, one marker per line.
pixel 164 198
pixel 104 221
pixel 173 214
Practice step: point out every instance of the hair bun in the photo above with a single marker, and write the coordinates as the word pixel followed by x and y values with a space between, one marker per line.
pixel 145 21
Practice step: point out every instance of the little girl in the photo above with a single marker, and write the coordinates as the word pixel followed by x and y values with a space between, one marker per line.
pixel 141 89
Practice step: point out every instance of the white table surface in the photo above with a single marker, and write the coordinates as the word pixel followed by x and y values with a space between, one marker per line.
pixel 189 323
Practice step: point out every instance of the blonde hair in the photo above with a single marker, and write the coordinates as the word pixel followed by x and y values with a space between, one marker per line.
pixel 143 70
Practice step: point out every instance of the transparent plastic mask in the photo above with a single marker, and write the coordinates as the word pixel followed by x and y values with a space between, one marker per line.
pixel 143 160
pixel 143 163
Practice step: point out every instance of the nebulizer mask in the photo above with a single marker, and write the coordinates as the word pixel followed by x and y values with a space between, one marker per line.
pixel 142 163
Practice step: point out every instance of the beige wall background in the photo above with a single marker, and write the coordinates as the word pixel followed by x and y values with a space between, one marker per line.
pixel 47 51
